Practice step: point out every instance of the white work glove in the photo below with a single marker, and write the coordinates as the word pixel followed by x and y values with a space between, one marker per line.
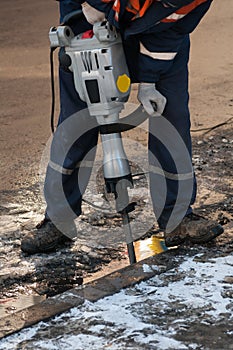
pixel 152 100
pixel 92 15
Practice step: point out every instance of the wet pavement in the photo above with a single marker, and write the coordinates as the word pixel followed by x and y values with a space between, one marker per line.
pixel 189 303
pixel 184 301
pixel 176 299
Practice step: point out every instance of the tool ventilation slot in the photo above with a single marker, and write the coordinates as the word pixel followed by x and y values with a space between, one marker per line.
pixel 93 90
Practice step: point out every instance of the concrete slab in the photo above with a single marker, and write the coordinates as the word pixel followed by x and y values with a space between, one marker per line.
pixel 91 291
pixel 188 306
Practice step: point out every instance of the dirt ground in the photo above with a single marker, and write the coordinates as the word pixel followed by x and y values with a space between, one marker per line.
pixel 25 128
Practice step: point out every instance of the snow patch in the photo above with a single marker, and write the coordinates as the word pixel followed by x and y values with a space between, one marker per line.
pixel 133 317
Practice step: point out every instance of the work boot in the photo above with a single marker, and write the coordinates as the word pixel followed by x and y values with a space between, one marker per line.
pixel 45 238
pixel 195 229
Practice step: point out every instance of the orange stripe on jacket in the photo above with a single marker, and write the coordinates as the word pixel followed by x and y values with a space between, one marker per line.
pixel 135 7
pixel 183 11
pixel 116 7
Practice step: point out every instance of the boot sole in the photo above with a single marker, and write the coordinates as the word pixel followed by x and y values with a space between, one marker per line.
pixel 169 242
pixel 215 232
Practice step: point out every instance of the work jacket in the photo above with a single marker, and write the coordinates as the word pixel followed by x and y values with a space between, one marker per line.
pixel 156 31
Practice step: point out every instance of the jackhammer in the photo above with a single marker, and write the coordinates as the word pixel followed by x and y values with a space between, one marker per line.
pixel 101 79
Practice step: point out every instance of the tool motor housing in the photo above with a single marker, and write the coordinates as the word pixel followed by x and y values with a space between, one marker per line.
pixel 98 63
pixel 102 80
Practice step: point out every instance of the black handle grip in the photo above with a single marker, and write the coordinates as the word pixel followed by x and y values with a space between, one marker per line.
pixel 72 17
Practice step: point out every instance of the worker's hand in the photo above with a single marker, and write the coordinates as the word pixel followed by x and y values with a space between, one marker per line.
pixel 92 15
pixel 151 99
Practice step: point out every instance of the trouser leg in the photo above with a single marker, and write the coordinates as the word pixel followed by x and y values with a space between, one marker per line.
pixel 172 181
pixel 72 154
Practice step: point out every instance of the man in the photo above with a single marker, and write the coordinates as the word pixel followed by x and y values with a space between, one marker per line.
pixel 156 42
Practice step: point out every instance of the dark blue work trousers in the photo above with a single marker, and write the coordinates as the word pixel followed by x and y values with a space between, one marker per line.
pixel 176 164
pixel 174 86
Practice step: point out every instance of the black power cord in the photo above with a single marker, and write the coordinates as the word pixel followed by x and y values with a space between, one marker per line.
pixel 52 49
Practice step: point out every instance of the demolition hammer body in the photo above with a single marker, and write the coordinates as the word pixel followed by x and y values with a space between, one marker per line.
pixel 102 80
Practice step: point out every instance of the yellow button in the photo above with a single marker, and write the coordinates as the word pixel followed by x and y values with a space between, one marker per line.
pixel 123 83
